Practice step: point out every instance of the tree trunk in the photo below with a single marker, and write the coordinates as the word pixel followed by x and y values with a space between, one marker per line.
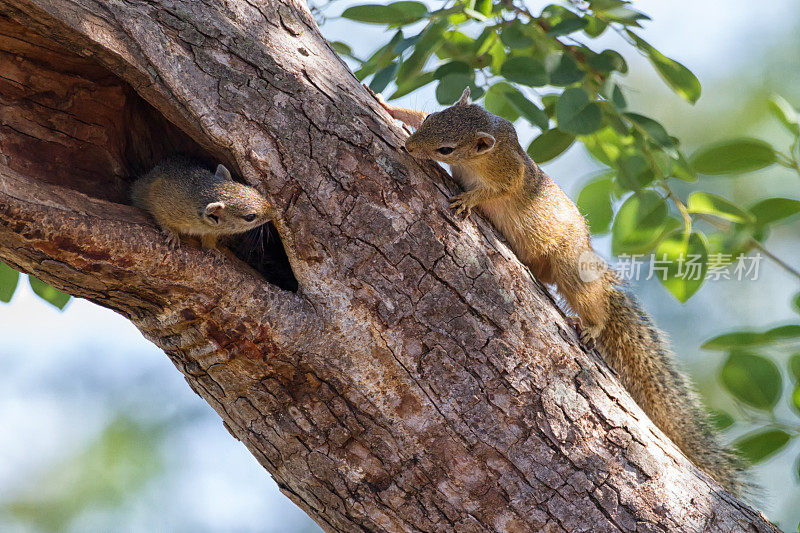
pixel 401 371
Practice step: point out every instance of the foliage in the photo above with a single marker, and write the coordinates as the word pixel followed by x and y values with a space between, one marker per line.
pixel 9 279
pixel 544 69
pixel 123 458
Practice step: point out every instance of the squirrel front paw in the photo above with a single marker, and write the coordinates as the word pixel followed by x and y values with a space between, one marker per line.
pixel 462 204
pixel 171 239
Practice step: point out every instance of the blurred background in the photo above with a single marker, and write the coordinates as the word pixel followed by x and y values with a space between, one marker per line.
pixel 120 443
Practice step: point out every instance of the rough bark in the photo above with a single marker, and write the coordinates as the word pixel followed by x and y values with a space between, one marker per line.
pixel 419 379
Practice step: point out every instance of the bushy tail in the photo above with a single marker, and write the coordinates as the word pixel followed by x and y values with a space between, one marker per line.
pixel 640 354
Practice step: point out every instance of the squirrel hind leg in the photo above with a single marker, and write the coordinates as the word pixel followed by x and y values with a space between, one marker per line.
pixel 588 335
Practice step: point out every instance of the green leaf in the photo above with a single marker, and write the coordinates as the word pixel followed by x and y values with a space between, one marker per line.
pixel 752 379
pixel 412 85
pixel 684 260
pixel 396 13
pixel 576 113
pixel 711 204
pixel 524 70
pixel 735 339
pixel 515 36
pixel 497 103
pixel 563 69
pixel 594 26
pixel 495 56
pixel 431 39
pixel 794 366
pixel 653 129
pixel 625 15
pixel 774 209
pixel 607 61
pixel 603 5
pixel 484 7
pixel 733 157
pixel 383 77
pixel 782 333
pixel 8 282
pixel 528 109
pixel 784 112
pixel 796 397
pixel 607 145
pixel 555 12
pixel 617 98
pixel 49 294
pixel 721 419
pixel 796 302
pixel 451 86
pixel 594 202
pixel 405 44
pixel 640 222
pixel 549 145
pixel 343 49
pixel 680 78
pixel 567 26
pixel 757 446
pixel 381 58
pixel 635 172
pixel 453 67
pixel 682 169
pixel 456 45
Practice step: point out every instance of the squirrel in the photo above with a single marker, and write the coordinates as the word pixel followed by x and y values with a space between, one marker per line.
pixel 551 237
pixel 185 198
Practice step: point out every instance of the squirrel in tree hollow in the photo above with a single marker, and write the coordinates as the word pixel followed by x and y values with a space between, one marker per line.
pixel 551 237
pixel 186 198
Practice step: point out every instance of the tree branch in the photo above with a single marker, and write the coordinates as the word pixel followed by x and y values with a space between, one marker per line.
pixel 419 379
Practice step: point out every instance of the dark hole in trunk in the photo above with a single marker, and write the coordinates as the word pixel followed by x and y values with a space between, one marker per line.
pixel 68 121
pixel 261 248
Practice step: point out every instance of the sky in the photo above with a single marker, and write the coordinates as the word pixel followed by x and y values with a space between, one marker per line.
pixel 64 367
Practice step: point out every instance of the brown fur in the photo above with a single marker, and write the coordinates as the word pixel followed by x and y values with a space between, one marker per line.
pixel 548 234
pixel 186 198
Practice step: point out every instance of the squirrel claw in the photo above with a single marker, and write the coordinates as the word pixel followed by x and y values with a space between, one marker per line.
pixel 587 336
pixel 217 255
pixel 588 339
pixel 171 239
pixel 377 96
pixel 461 205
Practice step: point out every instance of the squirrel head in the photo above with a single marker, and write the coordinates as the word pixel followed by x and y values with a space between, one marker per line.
pixel 462 132
pixel 236 207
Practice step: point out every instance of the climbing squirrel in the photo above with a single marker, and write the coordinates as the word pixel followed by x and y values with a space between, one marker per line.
pixel 551 237
pixel 186 198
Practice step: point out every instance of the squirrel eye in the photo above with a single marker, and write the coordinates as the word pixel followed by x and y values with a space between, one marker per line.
pixel 444 150
pixel 249 218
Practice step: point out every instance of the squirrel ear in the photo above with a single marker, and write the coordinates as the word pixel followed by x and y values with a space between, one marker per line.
pixel 464 100
pixel 223 172
pixel 484 142
pixel 213 211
